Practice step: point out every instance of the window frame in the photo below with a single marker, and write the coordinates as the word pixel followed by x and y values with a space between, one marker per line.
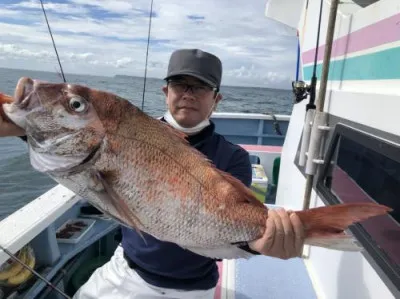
pixel 363 5
pixel 386 147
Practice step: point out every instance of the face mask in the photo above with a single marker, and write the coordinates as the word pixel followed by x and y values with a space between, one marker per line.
pixel 190 131
pixel 171 120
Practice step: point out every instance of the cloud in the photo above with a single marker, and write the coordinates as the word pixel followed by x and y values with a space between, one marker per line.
pixel 110 37
pixel 63 8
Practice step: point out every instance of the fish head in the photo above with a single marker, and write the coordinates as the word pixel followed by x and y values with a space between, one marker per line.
pixel 61 122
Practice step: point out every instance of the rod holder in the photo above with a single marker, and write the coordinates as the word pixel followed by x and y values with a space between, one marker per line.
pixel 318 130
pixel 305 140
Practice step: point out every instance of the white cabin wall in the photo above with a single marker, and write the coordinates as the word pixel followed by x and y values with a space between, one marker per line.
pixel 289 192
pixel 336 274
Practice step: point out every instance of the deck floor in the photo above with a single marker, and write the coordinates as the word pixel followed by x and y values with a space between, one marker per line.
pixel 264 277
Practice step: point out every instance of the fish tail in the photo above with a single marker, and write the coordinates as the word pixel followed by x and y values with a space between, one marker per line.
pixel 324 226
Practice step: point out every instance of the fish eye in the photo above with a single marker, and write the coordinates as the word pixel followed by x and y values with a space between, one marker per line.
pixel 78 104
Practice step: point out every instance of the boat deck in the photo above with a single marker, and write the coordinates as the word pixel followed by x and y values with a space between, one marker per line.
pixel 264 277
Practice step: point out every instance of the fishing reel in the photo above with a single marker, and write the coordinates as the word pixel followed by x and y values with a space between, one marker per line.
pixel 300 90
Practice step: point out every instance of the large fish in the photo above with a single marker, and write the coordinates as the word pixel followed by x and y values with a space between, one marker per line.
pixel 144 174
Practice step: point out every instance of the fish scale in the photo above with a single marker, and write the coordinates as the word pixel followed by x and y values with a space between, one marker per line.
pixel 145 175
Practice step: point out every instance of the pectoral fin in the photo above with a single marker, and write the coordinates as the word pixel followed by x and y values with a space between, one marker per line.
pixel 104 191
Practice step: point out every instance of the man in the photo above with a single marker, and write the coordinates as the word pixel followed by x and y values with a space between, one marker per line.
pixel 154 269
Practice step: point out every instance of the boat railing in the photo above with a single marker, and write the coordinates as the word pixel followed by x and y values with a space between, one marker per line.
pixel 20 227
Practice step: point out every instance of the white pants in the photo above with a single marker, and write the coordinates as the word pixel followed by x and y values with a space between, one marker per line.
pixel 116 280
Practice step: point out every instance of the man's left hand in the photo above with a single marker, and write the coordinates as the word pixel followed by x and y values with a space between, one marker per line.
pixel 283 237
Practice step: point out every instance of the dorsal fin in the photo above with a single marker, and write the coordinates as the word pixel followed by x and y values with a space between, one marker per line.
pixel 247 194
pixel 179 134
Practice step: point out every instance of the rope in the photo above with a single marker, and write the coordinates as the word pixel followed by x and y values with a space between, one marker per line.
pixel 54 44
pixel 147 53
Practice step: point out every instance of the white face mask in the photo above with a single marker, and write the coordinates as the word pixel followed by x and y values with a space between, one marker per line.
pixel 190 131
pixel 171 120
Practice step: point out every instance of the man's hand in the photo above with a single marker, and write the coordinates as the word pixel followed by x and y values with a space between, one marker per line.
pixel 283 237
pixel 9 129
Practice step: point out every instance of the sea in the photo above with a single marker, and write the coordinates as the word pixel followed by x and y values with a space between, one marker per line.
pixel 20 183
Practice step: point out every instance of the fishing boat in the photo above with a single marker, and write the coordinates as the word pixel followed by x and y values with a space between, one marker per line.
pixel 341 143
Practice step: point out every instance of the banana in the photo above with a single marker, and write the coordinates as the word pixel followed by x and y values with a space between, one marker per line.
pixel 25 274
pixel 15 267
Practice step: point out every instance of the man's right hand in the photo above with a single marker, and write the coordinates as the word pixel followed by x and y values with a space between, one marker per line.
pixel 7 128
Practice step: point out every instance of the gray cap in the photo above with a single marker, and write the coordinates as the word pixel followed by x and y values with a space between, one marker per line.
pixel 197 63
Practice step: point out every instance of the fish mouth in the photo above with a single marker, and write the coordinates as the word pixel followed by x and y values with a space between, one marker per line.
pixel 23 91
pixel 23 102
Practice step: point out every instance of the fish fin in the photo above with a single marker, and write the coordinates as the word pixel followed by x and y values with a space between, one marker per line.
pixel 341 241
pixel 109 195
pixel 325 225
pixel 222 252
pixel 181 136
pixel 247 194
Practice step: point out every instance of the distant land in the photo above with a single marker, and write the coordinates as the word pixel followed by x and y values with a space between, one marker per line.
pixel 130 77
pixel 122 76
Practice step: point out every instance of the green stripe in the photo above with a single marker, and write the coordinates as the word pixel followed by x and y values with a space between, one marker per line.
pixel 375 66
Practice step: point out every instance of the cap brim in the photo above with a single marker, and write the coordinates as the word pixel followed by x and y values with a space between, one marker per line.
pixel 198 76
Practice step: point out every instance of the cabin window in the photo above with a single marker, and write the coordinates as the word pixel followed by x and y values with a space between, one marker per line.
pixel 364 3
pixel 352 6
pixel 365 168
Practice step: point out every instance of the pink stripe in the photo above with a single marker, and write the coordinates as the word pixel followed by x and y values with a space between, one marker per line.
pixel 382 32
pixel 262 148
pixel 217 294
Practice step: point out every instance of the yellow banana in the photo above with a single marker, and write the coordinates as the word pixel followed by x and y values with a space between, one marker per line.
pixel 15 267
pixel 25 274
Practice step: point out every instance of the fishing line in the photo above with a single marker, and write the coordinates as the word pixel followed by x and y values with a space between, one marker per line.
pixel 24 138
pixel 54 44
pixel 34 272
pixel 147 53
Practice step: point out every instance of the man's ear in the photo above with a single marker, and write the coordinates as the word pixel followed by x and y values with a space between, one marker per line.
pixel 165 90
pixel 218 98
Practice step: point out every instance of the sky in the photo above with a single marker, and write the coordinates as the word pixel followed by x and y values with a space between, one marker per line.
pixel 102 37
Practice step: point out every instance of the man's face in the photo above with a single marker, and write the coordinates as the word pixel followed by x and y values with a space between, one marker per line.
pixel 190 100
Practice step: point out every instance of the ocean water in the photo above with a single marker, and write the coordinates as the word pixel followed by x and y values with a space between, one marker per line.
pixel 20 183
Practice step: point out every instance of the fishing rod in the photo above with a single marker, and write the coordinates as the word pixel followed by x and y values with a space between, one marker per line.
pixel 321 96
pixel 15 258
pixel 9 253
pixel 54 44
pixel 300 89
pixel 147 53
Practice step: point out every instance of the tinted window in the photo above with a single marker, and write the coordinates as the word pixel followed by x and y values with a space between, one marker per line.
pixel 364 3
pixel 361 174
